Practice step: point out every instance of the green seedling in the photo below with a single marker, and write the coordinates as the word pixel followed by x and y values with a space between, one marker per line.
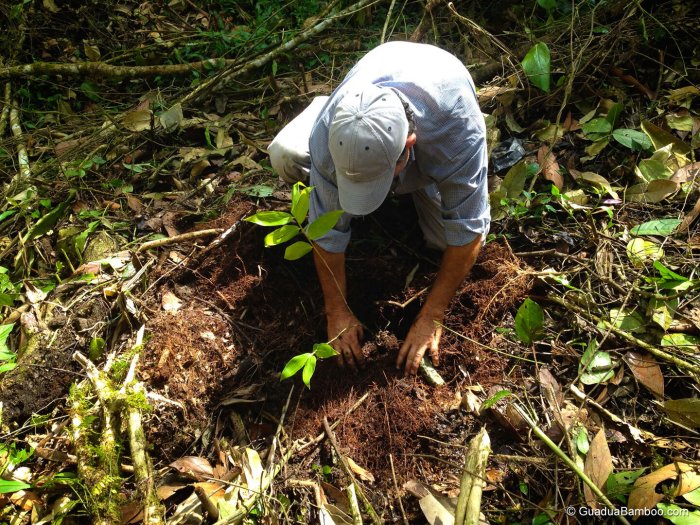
pixel 288 226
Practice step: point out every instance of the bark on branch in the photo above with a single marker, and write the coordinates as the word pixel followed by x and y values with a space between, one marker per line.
pixel 102 70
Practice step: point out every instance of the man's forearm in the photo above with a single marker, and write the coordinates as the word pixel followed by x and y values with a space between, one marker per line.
pixel 330 268
pixel 457 261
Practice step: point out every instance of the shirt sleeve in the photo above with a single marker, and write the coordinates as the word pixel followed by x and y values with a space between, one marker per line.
pixel 462 184
pixel 324 198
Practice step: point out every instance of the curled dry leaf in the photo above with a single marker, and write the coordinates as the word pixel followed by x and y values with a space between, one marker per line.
pixel 194 467
pixel 550 166
pixel 361 473
pixel 598 466
pixel 170 302
pixel 647 371
pixel 644 495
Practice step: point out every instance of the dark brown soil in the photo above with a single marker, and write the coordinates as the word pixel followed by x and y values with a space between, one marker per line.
pixel 246 311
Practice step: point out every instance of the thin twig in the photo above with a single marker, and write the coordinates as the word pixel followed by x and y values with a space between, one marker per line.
pixel 569 462
pixel 178 238
pixel 346 468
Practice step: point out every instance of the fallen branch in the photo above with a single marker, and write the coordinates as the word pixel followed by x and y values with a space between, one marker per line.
pixel 102 70
pixel 153 511
pixel 178 238
pixel 369 509
pixel 267 58
pixel 6 103
pixel 24 172
pixel 657 352
pixel 473 480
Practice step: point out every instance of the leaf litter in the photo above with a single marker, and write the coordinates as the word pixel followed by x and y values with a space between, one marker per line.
pixel 600 215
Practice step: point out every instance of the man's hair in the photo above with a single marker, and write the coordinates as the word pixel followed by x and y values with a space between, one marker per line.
pixel 411 127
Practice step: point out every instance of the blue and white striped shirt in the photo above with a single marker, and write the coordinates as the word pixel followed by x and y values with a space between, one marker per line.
pixel 450 151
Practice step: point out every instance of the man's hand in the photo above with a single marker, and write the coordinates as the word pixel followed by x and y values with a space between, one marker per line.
pixel 345 335
pixel 423 335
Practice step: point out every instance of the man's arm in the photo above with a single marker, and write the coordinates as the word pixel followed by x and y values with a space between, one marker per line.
pixel 344 330
pixel 425 333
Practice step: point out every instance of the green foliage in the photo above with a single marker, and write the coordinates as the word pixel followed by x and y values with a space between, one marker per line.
pixel 307 362
pixel 298 213
pixel 537 65
pixel 490 402
pixel 595 366
pixel 529 322
pixel 619 485
pixel 8 358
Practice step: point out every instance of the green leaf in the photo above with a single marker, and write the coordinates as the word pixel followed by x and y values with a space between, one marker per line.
pixel 614 114
pixel 678 515
pixel 324 350
pixel 259 190
pixel 297 250
pixel 641 251
pixel 662 311
pixel 582 443
pixel 529 322
pixel 661 227
pixel 683 341
pixel 323 224
pixel 308 372
pixel 547 4
pixel 628 320
pixel 91 91
pixel 668 274
pixel 596 128
pixel 684 411
pixel 595 366
pixel 270 218
pixel 300 203
pixel 537 64
pixel 294 365
pixel 619 485
pixel 633 139
pixel 7 367
pixel 501 394
pixel 7 486
pixel 280 235
pixel 97 347
pixel 48 221
pixel 693 497
pixel 5 331
pixel 4 215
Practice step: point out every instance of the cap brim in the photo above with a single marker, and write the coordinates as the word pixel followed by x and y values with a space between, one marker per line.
pixel 362 198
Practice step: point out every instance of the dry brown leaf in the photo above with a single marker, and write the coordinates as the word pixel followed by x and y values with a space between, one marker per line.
pixel 598 466
pixel 687 173
pixel 134 203
pixel 194 467
pixel 549 166
pixel 171 303
pixel 647 371
pixel 550 387
pixel 25 499
pixel 644 495
pixel 361 473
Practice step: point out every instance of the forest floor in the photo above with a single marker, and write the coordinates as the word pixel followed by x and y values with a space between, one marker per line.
pixel 145 323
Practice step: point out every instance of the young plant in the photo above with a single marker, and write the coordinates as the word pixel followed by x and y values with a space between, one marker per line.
pixel 292 224
pixel 8 359
pixel 289 225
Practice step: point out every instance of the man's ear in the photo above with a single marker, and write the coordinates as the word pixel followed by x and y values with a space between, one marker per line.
pixel 411 141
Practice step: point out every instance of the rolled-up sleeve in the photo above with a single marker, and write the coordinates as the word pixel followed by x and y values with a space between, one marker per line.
pixel 464 195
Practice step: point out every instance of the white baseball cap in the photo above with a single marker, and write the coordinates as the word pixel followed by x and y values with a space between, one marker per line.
pixel 366 138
